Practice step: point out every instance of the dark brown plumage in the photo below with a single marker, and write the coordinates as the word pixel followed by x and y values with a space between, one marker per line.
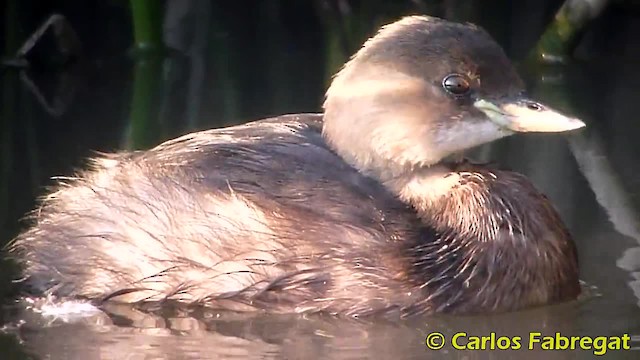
pixel 353 212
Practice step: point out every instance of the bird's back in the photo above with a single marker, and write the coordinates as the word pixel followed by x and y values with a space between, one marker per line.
pixel 262 214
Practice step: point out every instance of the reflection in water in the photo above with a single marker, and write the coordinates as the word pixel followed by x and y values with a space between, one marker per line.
pixel 127 333
pixel 611 195
pixel 274 60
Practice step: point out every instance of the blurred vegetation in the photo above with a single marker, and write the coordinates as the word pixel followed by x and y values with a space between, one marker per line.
pixel 147 24
pixel 558 40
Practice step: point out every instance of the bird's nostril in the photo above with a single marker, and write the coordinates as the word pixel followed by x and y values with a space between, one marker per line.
pixel 534 106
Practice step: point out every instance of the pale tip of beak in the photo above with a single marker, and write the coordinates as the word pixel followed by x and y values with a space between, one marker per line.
pixel 516 116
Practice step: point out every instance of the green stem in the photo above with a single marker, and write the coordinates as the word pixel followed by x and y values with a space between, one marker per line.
pixel 147 25
pixel 145 128
pixel 559 38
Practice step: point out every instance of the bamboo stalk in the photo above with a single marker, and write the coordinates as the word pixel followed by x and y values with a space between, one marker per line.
pixel 558 40
pixel 145 128
pixel 147 25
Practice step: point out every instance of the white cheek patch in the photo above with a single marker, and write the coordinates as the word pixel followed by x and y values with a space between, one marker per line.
pixel 462 135
pixel 407 149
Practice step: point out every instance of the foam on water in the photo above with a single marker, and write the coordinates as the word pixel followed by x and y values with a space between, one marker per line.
pixel 65 310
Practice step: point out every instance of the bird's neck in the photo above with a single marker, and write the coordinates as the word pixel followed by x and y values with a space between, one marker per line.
pixel 491 229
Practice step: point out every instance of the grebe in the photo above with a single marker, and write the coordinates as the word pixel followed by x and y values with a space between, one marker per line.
pixel 357 211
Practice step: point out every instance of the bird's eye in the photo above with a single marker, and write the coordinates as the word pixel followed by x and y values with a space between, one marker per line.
pixel 456 84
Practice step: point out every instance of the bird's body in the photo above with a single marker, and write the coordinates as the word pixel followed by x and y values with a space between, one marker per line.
pixel 350 212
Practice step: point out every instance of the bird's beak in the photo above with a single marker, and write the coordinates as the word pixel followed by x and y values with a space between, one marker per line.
pixel 525 115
